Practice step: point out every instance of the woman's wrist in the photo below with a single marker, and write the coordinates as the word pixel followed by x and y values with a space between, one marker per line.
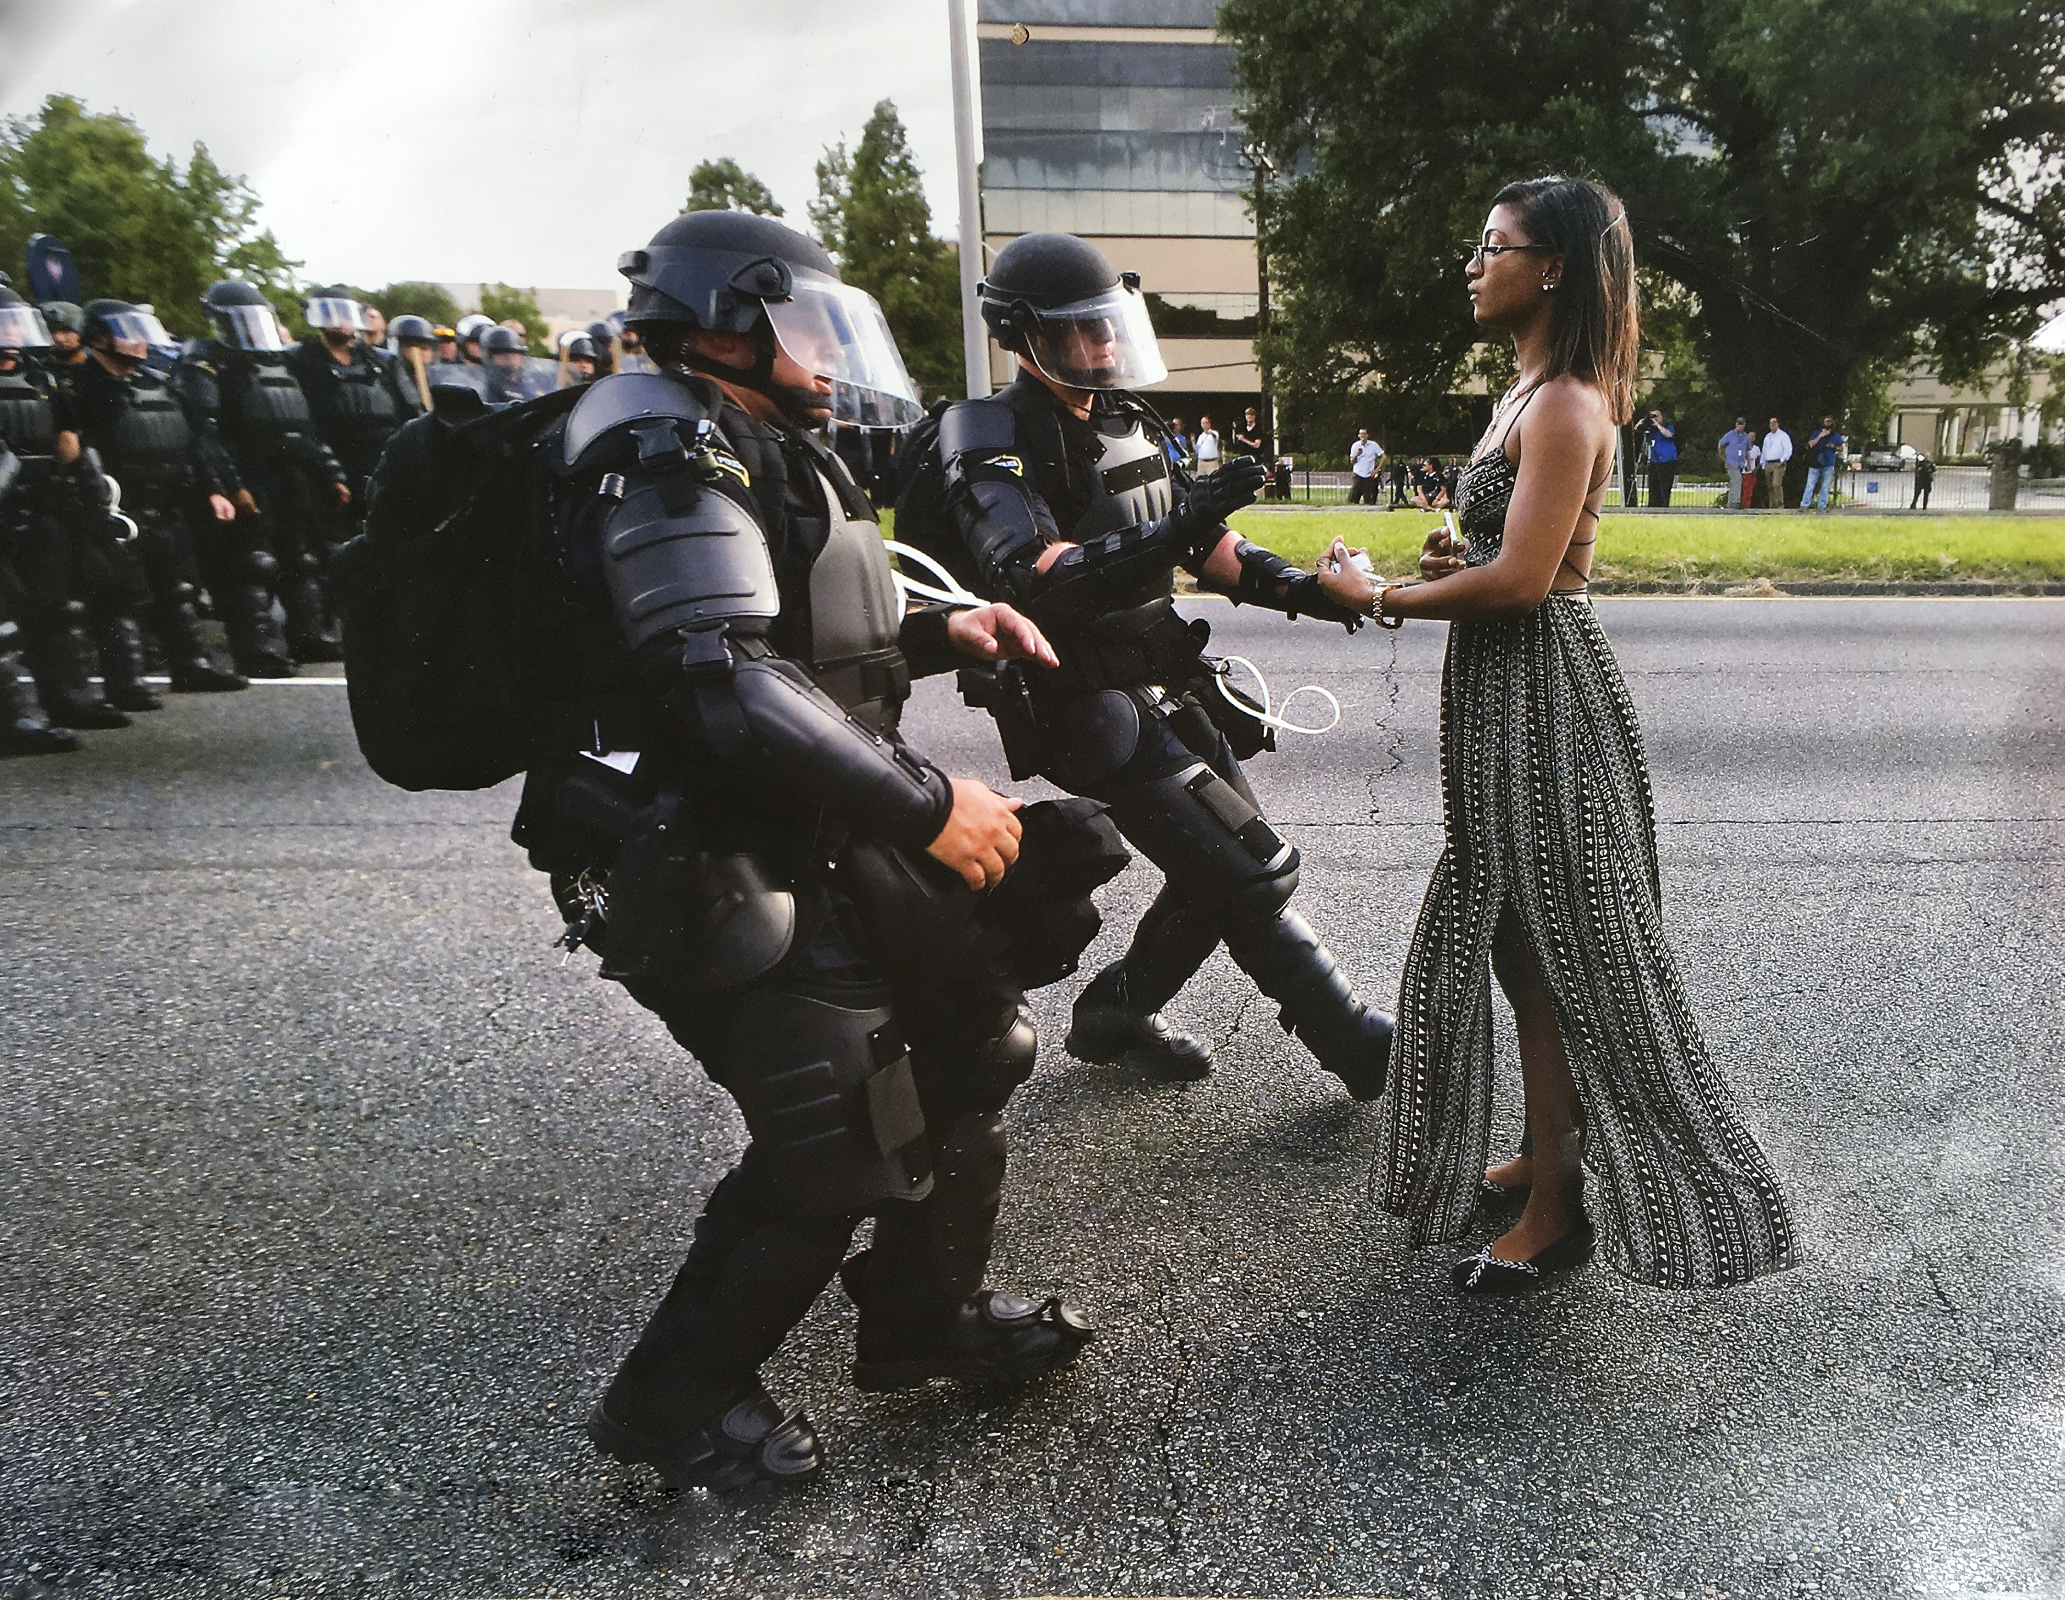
pixel 1377 613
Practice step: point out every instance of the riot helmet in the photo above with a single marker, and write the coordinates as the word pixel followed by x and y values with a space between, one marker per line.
pixel 1054 300
pixel 578 348
pixel 409 329
pixel 21 324
pixel 123 331
pixel 470 327
pixel 335 311
pixel 61 316
pixel 243 317
pixel 733 272
pixel 505 363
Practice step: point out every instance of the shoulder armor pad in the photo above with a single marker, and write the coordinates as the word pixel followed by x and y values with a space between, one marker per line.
pixel 977 425
pixel 618 401
pixel 681 560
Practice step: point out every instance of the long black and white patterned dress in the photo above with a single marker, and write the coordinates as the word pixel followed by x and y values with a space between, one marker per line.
pixel 1547 804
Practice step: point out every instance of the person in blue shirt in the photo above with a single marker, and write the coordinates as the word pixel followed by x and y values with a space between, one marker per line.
pixel 1735 456
pixel 1825 454
pixel 1661 435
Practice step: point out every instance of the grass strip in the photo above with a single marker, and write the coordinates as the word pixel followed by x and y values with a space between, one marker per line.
pixel 1666 549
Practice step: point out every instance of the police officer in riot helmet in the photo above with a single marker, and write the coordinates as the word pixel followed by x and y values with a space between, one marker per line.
pixel 278 544
pixel 470 328
pixel 71 570
pixel 356 395
pixel 1065 504
pixel 600 334
pixel 856 979
pixel 413 342
pixel 505 366
pixel 67 324
pixel 173 471
pixel 577 351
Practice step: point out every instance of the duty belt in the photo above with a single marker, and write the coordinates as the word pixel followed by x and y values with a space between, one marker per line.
pixel 1147 644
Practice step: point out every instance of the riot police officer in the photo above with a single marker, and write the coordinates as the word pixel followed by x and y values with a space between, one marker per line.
pixel 414 344
pixel 169 469
pixel 506 375
pixel 1066 504
pixel 51 473
pixel 804 898
pixel 240 379
pixel 354 393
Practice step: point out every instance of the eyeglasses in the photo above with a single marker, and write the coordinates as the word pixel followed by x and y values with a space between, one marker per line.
pixel 1474 253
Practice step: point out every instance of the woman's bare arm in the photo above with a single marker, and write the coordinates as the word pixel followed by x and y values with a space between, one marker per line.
pixel 1562 439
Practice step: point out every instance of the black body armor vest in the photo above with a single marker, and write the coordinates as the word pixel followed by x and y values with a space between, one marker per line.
pixel 149 443
pixel 263 408
pixel 28 424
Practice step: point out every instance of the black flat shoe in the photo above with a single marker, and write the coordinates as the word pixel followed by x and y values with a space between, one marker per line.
pixel 1485 1274
pixel 1499 1198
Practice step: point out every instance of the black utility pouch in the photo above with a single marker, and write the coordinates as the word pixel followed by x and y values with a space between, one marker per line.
pixel 1247 735
pixel 576 813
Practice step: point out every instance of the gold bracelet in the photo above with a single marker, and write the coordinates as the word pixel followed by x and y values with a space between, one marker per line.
pixel 1376 608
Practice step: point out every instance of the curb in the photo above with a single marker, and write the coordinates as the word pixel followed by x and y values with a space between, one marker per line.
pixel 1767 589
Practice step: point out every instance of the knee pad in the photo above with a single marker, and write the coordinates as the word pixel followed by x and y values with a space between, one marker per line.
pixel 1208 838
pixel 1002 1062
pixel 830 1101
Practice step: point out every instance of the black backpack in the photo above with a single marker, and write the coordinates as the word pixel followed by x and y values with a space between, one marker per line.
pixel 437 599
pixel 922 519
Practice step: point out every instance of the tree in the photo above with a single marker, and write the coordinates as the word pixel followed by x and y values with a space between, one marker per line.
pixel 500 302
pixel 872 215
pixel 1834 188
pixel 140 228
pixel 724 185
pixel 431 301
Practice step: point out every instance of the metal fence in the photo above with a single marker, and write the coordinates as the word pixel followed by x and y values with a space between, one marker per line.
pixel 1954 489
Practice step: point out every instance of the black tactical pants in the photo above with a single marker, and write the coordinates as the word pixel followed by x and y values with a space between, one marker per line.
pixel 856 1105
pixel 1179 796
pixel 287 549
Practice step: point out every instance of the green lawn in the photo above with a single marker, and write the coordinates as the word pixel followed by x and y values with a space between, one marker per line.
pixel 1676 549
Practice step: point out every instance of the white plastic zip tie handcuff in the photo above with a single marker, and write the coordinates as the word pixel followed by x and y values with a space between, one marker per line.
pixel 954 593
pixel 115 508
pixel 1266 715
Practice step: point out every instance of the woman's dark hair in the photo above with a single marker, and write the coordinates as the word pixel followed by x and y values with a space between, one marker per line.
pixel 1595 332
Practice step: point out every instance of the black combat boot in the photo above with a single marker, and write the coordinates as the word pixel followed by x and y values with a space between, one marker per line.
pixel 24 729
pixel 179 631
pixel 1109 1029
pixel 687 1400
pixel 312 633
pixel 121 664
pixel 987 1338
pixel 58 659
pixel 1348 1037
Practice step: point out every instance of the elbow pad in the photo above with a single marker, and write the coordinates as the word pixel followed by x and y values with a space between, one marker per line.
pixel 1268 580
pixel 764 717
pixel 1003 521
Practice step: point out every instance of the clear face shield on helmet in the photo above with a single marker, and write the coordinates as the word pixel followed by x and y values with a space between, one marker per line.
pixel 1105 342
pixel 838 332
pixel 135 334
pixel 22 328
pixel 252 327
pixel 337 316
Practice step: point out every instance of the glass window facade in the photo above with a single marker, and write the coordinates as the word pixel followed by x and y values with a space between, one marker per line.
pixel 1101 13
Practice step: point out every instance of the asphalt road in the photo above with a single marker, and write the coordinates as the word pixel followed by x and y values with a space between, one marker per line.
pixel 329 1197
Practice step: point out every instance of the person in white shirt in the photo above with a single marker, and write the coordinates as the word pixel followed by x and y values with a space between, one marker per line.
pixel 1365 463
pixel 1778 450
pixel 1207 446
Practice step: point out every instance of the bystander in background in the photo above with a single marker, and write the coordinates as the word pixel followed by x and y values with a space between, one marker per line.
pixel 1661 434
pixel 1824 456
pixel 1207 447
pixel 1365 469
pixel 1247 437
pixel 1777 447
pixel 1924 481
pixel 1735 447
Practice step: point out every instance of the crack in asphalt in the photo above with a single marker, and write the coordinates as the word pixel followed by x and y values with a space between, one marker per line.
pixel 1176 1501
pixel 1394 742
pixel 1240 1016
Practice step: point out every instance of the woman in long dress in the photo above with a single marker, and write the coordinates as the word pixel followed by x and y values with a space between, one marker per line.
pixel 1549 873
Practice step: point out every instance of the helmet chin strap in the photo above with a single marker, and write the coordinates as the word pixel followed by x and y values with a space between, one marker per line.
pixel 794 404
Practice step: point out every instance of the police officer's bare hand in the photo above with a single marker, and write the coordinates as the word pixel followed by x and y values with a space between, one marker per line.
pixel 980 839
pixel 247 502
pixel 343 492
pixel 224 508
pixel 998 633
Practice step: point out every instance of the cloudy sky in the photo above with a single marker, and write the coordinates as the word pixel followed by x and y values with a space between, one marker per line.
pixel 466 140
